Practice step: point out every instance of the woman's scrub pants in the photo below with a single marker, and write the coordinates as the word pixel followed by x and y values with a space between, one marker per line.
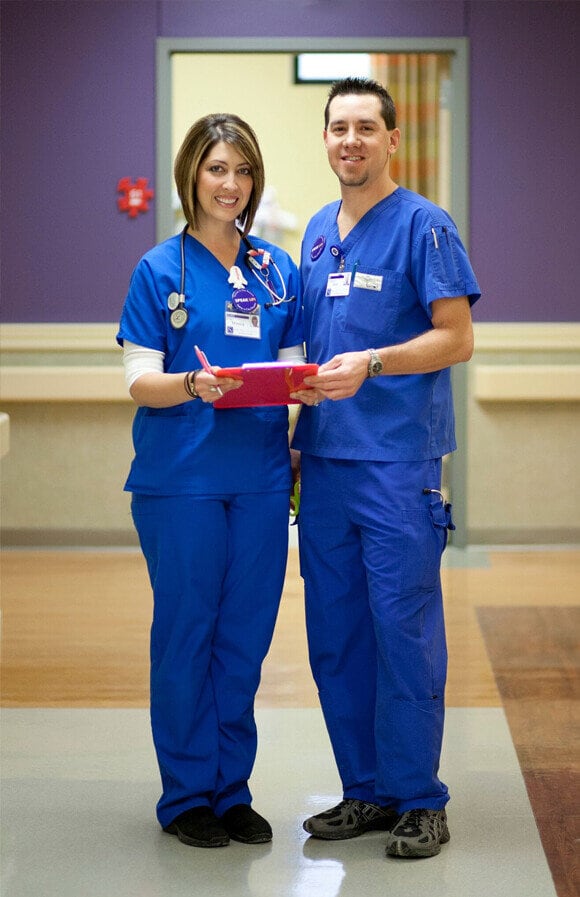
pixel 216 565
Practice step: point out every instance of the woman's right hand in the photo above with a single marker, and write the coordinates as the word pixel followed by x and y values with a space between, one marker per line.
pixel 211 388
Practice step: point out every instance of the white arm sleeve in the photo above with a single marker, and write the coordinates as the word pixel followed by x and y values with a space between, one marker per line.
pixel 139 360
pixel 293 354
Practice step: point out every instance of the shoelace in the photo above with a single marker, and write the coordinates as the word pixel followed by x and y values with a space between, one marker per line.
pixel 413 820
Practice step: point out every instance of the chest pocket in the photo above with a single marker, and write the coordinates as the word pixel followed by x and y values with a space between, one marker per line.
pixel 372 305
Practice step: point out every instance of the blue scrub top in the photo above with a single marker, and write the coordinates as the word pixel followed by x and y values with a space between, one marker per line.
pixel 403 254
pixel 193 448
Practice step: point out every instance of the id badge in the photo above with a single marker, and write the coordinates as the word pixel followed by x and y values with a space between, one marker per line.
pixel 338 284
pixel 239 323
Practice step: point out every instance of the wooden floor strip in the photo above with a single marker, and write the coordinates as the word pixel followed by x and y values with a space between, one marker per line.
pixel 535 656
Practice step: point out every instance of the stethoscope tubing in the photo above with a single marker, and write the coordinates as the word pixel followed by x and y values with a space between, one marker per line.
pixel 179 314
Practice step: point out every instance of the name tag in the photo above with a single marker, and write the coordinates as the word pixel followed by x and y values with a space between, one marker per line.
pixel 240 324
pixel 338 284
pixel 368 281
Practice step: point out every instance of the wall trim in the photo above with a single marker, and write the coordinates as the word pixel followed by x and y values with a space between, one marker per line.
pixel 525 337
pixel 58 337
pixel 70 383
pixel 526 383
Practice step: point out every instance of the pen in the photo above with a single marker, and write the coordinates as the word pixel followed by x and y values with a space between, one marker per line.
pixel 206 365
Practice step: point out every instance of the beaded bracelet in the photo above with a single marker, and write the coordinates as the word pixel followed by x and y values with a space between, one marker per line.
pixel 189 384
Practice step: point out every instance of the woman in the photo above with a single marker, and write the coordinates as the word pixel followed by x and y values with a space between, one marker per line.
pixel 210 486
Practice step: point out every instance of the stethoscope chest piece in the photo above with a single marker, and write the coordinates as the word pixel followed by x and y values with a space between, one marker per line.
pixel 178 317
pixel 176 301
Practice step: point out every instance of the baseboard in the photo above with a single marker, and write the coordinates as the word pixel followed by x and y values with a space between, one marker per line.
pixel 85 538
pixel 67 538
pixel 520 536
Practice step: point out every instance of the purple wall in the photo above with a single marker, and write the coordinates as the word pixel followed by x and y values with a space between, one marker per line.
pixel 78 113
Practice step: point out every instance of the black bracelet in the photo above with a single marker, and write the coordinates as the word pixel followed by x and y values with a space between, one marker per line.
pixel 189 384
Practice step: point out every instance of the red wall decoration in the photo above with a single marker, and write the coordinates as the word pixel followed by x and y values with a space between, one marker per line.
pixel 135 197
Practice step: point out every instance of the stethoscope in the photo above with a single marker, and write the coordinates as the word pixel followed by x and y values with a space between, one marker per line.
pixel 260 269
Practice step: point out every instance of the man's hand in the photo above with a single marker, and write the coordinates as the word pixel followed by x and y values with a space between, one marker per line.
pixel 342 376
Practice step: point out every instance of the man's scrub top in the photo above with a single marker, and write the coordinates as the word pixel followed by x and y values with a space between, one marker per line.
pixel 404 254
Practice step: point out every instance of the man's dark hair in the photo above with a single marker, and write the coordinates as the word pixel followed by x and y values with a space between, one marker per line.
pixel 364 86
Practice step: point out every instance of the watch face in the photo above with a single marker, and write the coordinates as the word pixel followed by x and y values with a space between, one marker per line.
pixel 375 364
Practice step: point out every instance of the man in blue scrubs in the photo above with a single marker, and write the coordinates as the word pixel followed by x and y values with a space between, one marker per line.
pixel 387 290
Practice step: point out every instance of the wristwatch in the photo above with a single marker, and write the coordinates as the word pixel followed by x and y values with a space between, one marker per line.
pixel 375 363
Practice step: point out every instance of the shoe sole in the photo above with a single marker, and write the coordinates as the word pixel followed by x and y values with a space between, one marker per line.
pixel 254 839
pixel 195 842
pixel 344 836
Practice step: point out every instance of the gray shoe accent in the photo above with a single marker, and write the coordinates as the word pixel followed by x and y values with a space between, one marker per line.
pixel 349 819
pixel 418 833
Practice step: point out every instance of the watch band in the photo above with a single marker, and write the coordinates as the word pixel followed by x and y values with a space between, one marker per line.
pixel 375 364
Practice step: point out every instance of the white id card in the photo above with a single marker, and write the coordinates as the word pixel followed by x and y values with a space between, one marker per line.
pixel 368 281
pixel 338 284
pixel 238 323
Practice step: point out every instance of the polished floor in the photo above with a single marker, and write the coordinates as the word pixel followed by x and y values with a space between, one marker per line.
pixel 79 775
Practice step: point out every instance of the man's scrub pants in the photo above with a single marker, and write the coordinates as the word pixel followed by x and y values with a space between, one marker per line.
pixel 217 566
pixel 370 548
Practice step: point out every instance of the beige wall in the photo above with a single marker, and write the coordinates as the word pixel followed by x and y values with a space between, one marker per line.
pixel 70 435
pixel 524 434
pixel 260 89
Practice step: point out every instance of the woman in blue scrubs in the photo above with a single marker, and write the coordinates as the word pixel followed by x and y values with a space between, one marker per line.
pixel 210 487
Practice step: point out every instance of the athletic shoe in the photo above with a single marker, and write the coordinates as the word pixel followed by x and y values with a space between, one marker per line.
pixel 418 833
pixel 349 819
pixel 242 823
pixel 199 827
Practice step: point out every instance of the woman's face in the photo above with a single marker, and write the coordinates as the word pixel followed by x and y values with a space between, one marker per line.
pixel 224 185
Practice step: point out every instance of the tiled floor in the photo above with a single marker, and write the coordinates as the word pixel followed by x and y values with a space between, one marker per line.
pixel 80 780
pixel 79 787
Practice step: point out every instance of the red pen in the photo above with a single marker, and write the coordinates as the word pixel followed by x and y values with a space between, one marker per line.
pixel 206 365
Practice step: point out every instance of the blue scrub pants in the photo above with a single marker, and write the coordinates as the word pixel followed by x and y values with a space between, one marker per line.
pixel 217 566
pixel 370 549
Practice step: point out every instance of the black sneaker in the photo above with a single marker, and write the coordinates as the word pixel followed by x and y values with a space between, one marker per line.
pixel 242 823
pixel 349 819
pixel 199 827
pixel 418 833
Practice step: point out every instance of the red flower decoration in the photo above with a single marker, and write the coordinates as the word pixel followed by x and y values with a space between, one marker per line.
pixel 136 196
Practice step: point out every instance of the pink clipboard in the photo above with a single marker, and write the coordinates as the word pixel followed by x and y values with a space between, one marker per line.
pixel 265 384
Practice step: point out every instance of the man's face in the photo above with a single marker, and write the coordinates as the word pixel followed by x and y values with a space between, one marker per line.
pixel 357 140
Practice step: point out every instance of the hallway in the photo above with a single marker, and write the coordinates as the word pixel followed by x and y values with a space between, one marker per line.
pixel 80 779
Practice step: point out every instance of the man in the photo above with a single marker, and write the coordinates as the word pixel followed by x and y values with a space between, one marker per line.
pixel 387 293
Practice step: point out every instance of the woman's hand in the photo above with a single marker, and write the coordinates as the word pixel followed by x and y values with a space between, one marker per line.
pixel 211 388
pixel 308 396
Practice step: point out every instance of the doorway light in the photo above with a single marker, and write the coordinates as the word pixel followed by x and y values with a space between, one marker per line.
pixel 322 68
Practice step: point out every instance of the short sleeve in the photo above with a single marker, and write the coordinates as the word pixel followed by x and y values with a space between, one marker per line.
pixel 143 316
pixel 443 269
